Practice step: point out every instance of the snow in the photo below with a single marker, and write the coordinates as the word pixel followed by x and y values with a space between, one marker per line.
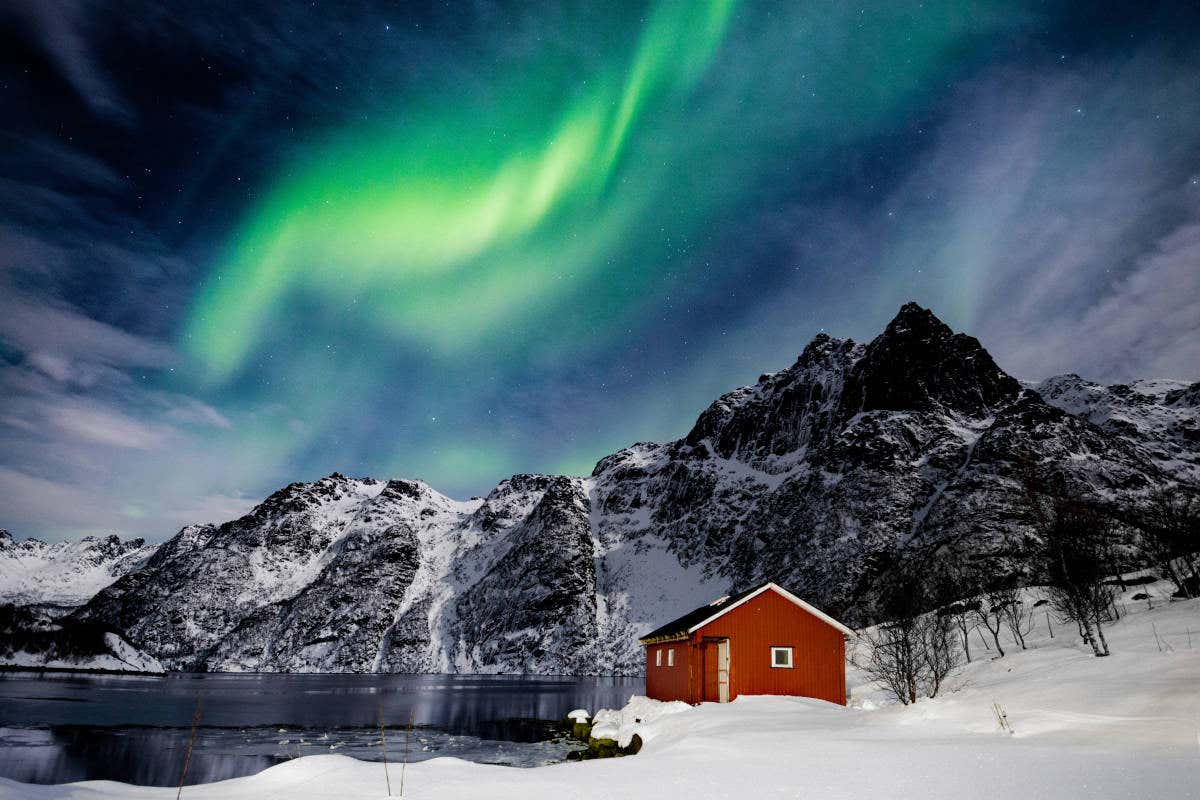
pixel 638 716
pixel 1125 726
pixel 63 573
pixel 578 715
pixel 1164 430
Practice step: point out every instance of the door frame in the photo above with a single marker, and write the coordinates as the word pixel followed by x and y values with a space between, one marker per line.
pixel 723 665
pixel 723 662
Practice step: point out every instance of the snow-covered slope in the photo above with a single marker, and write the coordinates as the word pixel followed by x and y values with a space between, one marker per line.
pixel 32 639
pixel 816 477
pixel 358 575
pixel 1162 416
pixel 1084 727
pixel 64 573
pixel 117 656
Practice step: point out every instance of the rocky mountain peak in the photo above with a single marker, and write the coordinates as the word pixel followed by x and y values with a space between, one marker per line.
pixel 301 496
pixel 820 350
pixel 404 488
pixel 919 364
pixel 1188 396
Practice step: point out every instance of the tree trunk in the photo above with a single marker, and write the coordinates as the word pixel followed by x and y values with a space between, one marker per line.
pixel 1187 559
pixel 1090 638
pixel 996 638
pixel 1103 641
pixel 1180 584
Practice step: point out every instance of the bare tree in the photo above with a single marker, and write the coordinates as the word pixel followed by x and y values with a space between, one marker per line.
pixel 989 612
pixel 911 652
pixel 892 658
pixel 961 618
pixel 1076 587
pixel 1012 614
pixel 1076 550
pixel 1170 536
pixel 939 656
pixel 951 583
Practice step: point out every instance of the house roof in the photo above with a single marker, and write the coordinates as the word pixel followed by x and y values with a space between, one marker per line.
pixel 692 621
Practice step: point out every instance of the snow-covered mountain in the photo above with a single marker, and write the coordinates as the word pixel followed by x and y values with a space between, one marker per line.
pixel 1163 416
pixel 815 477
pixel 64 574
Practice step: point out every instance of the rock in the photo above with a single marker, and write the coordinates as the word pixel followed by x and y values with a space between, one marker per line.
pixel 603 748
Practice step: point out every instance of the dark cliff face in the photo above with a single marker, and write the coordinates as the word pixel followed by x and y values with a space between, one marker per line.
pixel 784 412
pixel 818 476
pixel 916 365
pixel 536 606
pixel 919 364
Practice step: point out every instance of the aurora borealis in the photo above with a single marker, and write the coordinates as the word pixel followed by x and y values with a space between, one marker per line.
pixel 461 220
pixel 457 242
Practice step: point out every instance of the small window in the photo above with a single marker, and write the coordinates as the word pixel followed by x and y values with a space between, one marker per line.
pixel 671 657
pixel 658 657
pixel 781 657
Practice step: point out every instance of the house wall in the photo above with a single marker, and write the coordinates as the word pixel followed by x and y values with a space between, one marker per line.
pixel 818 650
pixel 669 683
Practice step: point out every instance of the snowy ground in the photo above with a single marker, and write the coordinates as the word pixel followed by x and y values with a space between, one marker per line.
pixel 1126 726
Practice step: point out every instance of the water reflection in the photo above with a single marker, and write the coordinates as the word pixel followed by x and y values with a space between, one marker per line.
pixel 57 728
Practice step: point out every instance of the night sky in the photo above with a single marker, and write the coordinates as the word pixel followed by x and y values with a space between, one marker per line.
pixel 242 245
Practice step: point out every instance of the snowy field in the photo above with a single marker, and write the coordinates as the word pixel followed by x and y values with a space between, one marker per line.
pixel 1126 726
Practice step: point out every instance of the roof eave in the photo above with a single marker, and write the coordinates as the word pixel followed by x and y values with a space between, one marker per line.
pixel 682 636
pixel 816 612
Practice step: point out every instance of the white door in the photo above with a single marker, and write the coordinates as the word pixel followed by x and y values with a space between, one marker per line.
pixel 723 671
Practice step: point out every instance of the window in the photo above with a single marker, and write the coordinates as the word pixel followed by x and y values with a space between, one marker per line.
pixel 781 657
pixel 658 657
pixel 671 657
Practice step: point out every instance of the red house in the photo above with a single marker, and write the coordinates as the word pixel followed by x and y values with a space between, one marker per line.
pixel 761 641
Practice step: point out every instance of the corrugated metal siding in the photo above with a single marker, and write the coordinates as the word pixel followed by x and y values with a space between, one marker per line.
pixel 669 683
pixel 770 620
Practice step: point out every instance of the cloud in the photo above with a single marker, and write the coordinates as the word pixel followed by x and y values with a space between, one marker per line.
pixel 57 334
pixel 214 508
pixel 1145 325
pixel 104 426
pixel 86 443
pixel 190 411
pixel 28 499
pixel 1052 215
pixel 60 28
pixel 1072 220
pixel 54 509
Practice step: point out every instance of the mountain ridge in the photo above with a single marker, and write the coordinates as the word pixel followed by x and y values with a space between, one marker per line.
pixel 815 476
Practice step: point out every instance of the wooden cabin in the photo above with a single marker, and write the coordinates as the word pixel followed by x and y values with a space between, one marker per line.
pixel 760 641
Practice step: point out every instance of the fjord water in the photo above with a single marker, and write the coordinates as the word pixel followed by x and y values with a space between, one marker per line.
pixel 62 727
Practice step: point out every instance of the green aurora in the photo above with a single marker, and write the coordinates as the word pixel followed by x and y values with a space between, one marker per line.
pixel 538 216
